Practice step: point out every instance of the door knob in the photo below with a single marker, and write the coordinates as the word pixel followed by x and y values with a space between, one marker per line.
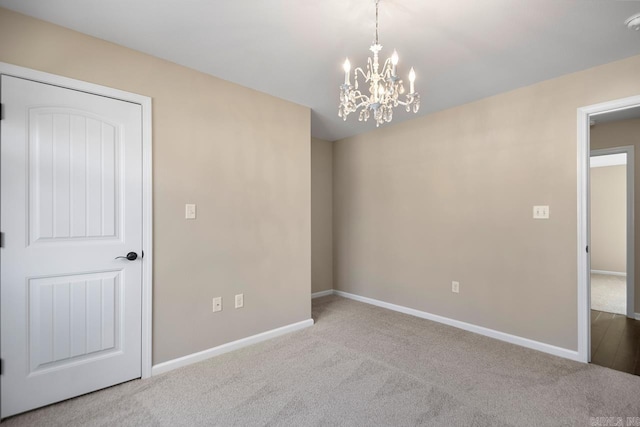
pixel 131 256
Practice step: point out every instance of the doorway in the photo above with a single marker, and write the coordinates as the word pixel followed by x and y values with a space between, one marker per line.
pixel 76 252
pixel 609 334
pixel 612 228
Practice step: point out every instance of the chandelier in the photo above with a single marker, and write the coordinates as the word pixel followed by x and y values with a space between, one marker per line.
pixel 385 88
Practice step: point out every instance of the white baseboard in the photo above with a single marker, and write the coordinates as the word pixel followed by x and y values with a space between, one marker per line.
pixel 322 293
pixel 637 316
pixel 170 365
pixel 609 273
pixel 513 339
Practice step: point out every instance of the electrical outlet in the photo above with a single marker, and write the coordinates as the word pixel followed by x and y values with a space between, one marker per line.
pixel 217 304
pixel 239 300
pixel 455 287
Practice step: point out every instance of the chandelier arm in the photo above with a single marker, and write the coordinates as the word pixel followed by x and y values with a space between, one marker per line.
pixel 357 95
pixel 364 99
pixel 365 76
pixel 409 100
pixel 360 98
pixel 362 104
pixel 386 68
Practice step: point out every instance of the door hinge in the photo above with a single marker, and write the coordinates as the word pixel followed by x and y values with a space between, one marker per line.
pixel 1 366
pixel 1 111
pixel 587 249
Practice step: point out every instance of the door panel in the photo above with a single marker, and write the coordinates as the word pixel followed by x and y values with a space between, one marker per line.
pixel 71 202
pixel 71 317
pixel 74 174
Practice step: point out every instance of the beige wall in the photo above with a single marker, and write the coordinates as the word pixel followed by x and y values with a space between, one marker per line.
pixel 449 196
pixel 609 218
pixel 242 156
pixel 321 215
pixel 618 134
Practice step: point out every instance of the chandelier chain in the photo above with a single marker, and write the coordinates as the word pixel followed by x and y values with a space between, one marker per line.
pixel 377 2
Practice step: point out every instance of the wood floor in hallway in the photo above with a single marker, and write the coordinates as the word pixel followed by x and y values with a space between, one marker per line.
pixel 615 342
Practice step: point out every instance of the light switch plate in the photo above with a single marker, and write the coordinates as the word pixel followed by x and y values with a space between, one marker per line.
pixel 541 212
pixel 190 211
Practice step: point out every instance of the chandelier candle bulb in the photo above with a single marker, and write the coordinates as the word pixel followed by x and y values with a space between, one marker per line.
pixel 412 79
pixel 394 62
pixel 347 68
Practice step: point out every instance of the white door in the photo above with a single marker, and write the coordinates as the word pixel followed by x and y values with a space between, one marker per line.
pixel 71 202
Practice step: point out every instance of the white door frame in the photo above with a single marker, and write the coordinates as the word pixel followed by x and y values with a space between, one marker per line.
pixel 584 315
pixel 147 196
pixel 630 232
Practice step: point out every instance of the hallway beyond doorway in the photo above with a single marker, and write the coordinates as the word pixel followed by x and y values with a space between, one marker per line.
pixel 615 342
pixel 609 293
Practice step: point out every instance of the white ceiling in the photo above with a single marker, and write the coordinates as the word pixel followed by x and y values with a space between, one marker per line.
pixel 462 50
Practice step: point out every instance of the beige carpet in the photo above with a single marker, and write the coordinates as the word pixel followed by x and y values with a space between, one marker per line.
pixel 362 366
pixel 609 293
